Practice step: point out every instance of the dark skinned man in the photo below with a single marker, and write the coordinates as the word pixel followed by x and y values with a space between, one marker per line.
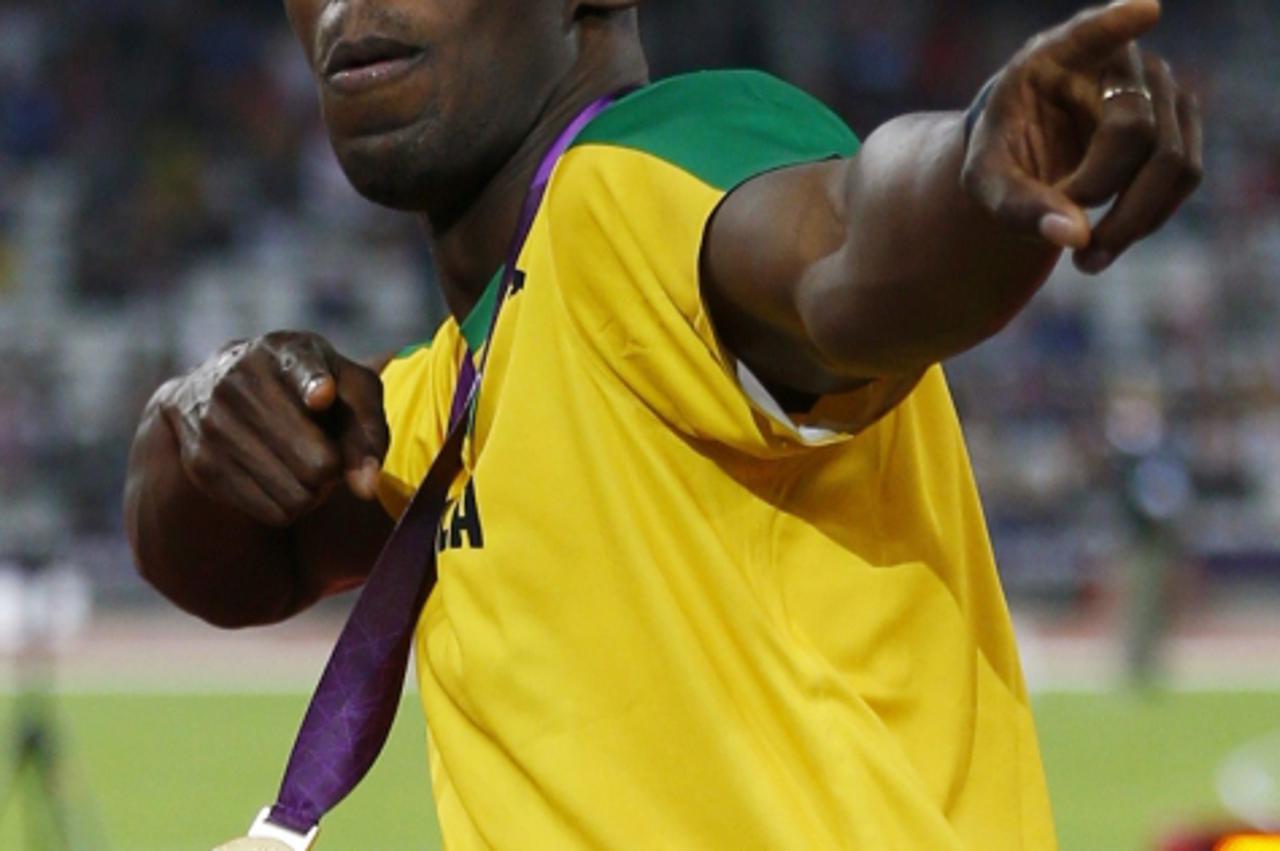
pixel 716 574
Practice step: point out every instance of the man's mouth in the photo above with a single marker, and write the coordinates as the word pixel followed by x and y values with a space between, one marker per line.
pixel 358 65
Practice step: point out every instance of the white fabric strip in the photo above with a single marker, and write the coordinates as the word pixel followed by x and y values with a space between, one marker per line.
pixel 763 399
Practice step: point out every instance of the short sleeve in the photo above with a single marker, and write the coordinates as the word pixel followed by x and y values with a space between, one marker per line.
pixel 724 127
pixel 629 209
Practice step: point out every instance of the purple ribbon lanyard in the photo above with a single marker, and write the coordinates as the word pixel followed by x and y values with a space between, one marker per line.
pixel 351 713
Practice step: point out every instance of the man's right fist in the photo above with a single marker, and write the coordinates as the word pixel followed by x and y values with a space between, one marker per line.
pixel 269 427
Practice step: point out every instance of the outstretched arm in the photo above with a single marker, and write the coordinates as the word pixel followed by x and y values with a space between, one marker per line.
pixel 827 276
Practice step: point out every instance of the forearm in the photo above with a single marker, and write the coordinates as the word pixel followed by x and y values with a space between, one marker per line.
pixel 208 559
pixel 923 273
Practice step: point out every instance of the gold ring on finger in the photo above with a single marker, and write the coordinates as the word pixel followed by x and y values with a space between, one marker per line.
pixel 1113 92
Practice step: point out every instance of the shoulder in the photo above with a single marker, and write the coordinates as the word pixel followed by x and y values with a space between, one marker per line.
pixel 722 127
pixel 417 382
pixel 413 363
pixel 417 386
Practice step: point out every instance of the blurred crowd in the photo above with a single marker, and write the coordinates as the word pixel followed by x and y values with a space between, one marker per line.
pixel 165 186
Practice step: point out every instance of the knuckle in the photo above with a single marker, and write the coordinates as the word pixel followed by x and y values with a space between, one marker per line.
pixel 226 392
pixel 233 355
pixel 230 354
pixel 276 340
pixel 1085 16
pixel 288 359
pixel 313 345
pixel 291 350
pixel 281 347
pixel 256 361
pixel 201 466
pixel 1156 65
pixel 169 396
pixel 1080 19
pixel 1032 47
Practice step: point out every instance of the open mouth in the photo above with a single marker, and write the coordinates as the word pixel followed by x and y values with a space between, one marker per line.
pixel 353 66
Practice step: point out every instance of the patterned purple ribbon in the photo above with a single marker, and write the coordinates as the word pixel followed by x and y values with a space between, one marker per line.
pixel 351 713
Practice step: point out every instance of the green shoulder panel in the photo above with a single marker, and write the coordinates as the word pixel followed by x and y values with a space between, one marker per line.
pixel 724 127
pixel 409 351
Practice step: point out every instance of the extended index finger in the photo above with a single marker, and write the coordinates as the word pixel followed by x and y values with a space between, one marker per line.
pixel 1093 36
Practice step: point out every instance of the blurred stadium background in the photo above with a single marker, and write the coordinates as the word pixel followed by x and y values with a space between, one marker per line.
pixel 165 186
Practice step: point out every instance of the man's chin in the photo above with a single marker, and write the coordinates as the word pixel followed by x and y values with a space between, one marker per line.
pixel 389 169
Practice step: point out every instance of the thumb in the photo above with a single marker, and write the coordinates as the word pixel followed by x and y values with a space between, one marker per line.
pixel 363 473
pixel 1028 206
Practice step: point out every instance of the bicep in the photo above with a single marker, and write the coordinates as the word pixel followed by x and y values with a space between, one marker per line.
pixel 768 238
pixel 773 243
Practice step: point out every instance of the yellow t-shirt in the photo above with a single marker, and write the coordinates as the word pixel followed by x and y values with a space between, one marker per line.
pixel 669 615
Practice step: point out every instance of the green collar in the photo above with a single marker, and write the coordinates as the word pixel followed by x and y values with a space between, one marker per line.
pixel 475 328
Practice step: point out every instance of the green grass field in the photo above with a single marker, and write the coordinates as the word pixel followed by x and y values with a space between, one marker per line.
pixel 185 772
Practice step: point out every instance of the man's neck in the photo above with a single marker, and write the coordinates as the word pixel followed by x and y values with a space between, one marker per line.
pixel 472 248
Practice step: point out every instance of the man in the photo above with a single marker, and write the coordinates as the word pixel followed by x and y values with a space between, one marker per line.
pixel 716 575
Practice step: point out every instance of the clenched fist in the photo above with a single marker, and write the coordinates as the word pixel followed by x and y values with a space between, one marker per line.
pixel 269 427
pixel 1080 118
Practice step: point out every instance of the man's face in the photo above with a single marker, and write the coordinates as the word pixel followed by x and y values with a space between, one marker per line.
pixel 430 97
